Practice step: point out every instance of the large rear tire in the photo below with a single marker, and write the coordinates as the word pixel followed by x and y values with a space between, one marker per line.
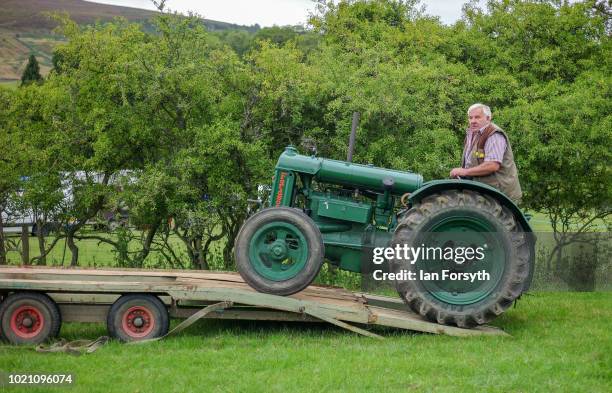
pixel 279 250
pixel 455 218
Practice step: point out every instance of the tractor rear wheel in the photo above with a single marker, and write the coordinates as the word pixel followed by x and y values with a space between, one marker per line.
pixel 462 219
pixel 279 250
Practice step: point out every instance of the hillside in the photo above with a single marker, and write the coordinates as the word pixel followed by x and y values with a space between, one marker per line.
pixel 25 29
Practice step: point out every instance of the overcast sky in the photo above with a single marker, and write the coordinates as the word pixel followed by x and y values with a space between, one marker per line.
pixel 274 12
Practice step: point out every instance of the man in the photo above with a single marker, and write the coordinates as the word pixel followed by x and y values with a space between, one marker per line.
pixel 487 155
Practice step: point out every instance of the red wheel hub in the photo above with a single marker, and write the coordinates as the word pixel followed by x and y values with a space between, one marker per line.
pixel 27 321
pixel 138 322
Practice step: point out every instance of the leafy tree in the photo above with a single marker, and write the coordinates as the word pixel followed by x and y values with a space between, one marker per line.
pixel 31 72
pixel 239 40
pixel 565 145
pixel 10 162
pixel 40 187
pixel 276 34
pixel 89 108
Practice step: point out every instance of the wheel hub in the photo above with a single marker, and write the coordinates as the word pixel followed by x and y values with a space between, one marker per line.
pixel 464 232
pixel 278 251
pixel 27 322
pixel 138 321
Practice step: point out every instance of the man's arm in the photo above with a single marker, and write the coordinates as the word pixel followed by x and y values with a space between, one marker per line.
pixel 494 152
pixel 484 169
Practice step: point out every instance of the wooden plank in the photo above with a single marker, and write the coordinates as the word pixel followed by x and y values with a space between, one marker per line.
pixel 85 274
pixel 115 272
pixel 246 314
pixel 94 298
pixel 394 303
pixel 412 321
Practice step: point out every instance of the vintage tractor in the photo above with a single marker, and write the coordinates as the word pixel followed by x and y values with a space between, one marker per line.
pixel 323 209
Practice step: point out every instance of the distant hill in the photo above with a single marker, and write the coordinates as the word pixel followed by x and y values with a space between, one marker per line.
pixel 24 29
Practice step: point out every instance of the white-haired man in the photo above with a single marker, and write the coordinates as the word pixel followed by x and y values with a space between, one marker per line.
pixel 487 154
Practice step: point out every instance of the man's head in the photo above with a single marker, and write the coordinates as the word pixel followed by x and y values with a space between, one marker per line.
pixel 479 116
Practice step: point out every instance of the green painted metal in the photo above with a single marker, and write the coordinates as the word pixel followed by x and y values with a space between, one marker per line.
pixel 283 188
pixel 278 251
pixel 345 210
pixel 348 174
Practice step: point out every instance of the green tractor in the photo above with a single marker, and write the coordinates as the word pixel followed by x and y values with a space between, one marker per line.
pixel 349 214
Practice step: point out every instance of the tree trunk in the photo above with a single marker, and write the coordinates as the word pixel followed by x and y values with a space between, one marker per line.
pixel 25 245
pixel 41 242
pixel 146 247
pixel 2 247
pixel 199 254
pixel 232 227
pixel 74 250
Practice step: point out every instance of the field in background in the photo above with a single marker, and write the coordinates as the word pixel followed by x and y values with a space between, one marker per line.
pixel 11 84
pixel 15 48
pixel 25 28
pixel 560 342
pixel 93 253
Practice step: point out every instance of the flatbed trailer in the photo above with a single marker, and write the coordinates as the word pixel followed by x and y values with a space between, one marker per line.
pixel 133 301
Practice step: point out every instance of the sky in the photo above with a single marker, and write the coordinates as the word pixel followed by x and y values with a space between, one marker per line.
pixel 274 12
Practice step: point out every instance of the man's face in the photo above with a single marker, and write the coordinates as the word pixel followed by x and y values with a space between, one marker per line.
pixel 478 119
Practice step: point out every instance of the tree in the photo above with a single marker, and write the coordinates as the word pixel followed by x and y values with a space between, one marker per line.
pixel 565 142
pixel 31 72
pixel 40 192
pixel 142 103
pixel 10 162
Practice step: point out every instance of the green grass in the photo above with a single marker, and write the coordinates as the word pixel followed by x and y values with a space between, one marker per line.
pixel 92 253
pixel 560 342
pixel 11 84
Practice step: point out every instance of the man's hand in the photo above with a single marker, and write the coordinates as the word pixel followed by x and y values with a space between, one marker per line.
pixel 484 169
pixel 458 172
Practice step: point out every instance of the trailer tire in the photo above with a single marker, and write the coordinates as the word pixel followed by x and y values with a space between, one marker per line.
pixel 136 317
pixel 508 258
pixel 279 250
pixel 29 318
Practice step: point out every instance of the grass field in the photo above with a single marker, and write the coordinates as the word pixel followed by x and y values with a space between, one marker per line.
pixel 10 84
pixel 560 342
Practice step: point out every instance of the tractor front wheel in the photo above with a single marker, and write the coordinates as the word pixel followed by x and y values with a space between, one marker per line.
pixel 279 250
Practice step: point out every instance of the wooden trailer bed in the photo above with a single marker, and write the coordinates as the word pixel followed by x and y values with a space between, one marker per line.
pixel 86 295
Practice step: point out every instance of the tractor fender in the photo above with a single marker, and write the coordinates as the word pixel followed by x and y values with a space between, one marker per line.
pixel 434 186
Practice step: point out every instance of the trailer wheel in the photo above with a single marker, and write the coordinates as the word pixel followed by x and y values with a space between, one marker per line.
pixel 279 250
pixel 462 219
pixel 29 318
pixel 137 317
